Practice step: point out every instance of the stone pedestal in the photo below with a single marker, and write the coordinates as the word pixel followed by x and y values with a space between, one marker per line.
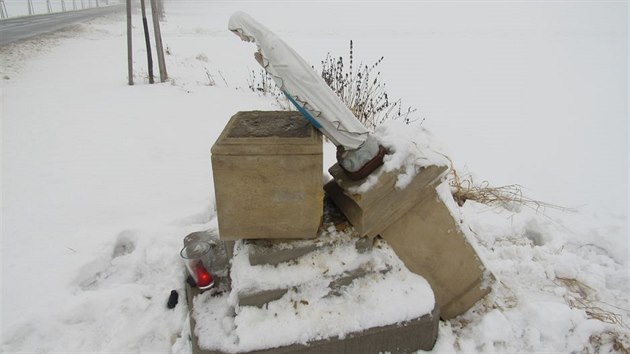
pixel 405 337
pixel 417 224
pixel 333 286
pixel 267 169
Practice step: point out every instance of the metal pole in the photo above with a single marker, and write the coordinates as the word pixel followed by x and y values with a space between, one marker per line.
pixel 3 10
pixel 129 49
pixel 147 41
pixel 158 41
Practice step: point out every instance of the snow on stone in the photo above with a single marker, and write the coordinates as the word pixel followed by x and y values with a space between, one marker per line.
pixel 388 294
pixel 410 148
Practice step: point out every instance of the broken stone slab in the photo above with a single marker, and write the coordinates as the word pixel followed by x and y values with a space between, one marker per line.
pixel 404 337
pixel 430 243
pixel 347 278
pixel 420 229
pixel 273 252
pixel 267 169
pixel 372 211
pixel 262 297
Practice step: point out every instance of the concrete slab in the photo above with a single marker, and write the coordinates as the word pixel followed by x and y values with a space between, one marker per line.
pixel 430 243
pixel 272 253
pixel 267 169
pixel 405 337
pixel 373 211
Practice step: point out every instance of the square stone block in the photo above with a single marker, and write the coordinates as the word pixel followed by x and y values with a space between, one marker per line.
pixel 430 243
pixel 373 211
pixel 267 168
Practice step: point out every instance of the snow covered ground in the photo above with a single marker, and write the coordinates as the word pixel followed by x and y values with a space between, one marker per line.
pixel 101 181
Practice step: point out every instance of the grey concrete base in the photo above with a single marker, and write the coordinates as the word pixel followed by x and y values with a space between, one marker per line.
pixel 406 337
pixel 267 170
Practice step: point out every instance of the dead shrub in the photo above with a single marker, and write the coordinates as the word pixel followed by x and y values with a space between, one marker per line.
pixel 509 197
pixel 363 91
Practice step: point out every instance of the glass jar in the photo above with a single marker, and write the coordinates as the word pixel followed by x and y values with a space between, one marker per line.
pixel 198 260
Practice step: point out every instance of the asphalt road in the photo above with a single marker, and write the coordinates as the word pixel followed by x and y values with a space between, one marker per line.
pixel 16 29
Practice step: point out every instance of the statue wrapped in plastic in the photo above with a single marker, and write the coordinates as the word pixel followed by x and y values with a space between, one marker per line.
pixel 358 152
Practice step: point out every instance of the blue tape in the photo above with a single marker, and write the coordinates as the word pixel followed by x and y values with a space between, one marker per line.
pixel 304 112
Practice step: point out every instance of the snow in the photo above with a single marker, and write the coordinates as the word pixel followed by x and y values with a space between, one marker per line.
pixel 101 181
pixel 409 149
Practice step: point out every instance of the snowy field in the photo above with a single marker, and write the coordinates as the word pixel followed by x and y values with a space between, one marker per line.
pixel 101 180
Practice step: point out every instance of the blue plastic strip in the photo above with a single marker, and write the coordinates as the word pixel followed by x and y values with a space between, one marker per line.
pixel 304 112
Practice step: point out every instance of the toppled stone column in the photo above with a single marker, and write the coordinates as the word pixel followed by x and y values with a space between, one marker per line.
pixel 419 227
pixel 430 242
pixel 267 169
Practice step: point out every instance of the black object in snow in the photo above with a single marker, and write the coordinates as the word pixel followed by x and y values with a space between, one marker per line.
pixel 173 299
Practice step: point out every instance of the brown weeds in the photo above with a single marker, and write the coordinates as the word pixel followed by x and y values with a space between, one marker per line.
pixel 509 197
pixel 363 91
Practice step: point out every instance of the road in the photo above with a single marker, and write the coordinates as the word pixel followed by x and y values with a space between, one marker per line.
pixel 15 29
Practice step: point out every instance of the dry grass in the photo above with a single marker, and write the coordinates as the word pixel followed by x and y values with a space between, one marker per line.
pixel 509 197
pixel 618 342
pixel 580 297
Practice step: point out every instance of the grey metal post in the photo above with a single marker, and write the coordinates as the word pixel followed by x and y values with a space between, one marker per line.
pixel 3 10
pixel 129 49
pixel 147 41
pixel 158 41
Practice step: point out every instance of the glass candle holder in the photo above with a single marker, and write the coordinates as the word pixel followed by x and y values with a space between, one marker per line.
pixel 198 260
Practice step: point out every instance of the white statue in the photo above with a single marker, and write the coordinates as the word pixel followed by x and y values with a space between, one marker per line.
pixel 358 152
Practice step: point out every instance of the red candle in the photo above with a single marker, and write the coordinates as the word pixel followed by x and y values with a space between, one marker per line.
pixel 204 278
